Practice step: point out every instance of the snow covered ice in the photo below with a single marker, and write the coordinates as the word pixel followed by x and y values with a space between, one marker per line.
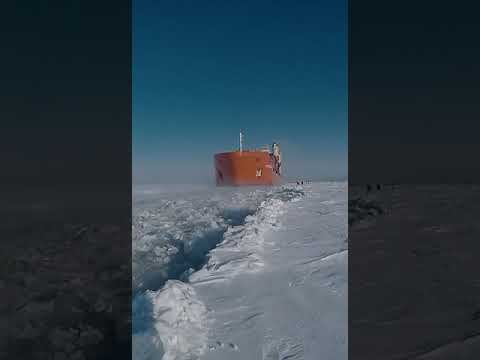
pixel 240 273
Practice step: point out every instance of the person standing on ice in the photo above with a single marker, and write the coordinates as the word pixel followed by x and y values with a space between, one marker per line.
pixel 277 156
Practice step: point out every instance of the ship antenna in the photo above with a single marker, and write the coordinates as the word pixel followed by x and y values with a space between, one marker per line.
pixel 241 141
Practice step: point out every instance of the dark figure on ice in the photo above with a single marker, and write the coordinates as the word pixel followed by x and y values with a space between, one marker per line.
pixel 369 188
pixel 378 186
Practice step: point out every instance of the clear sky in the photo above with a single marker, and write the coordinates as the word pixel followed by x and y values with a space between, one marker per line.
pixel 203 70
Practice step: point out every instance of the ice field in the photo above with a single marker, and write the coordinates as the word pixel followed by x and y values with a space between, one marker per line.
pixel 240 273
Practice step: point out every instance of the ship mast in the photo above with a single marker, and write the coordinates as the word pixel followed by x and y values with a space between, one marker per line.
pixel 241 141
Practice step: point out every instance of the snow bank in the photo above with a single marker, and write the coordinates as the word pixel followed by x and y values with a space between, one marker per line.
pixel 241 249
pixel 169 324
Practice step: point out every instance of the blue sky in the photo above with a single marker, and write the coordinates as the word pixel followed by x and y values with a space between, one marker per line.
pixel 203 70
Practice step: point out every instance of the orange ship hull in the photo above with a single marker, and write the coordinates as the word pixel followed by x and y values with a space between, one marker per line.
pixel 239 168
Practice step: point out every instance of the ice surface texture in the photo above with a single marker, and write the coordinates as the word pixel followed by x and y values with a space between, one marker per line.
pixel 206 262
